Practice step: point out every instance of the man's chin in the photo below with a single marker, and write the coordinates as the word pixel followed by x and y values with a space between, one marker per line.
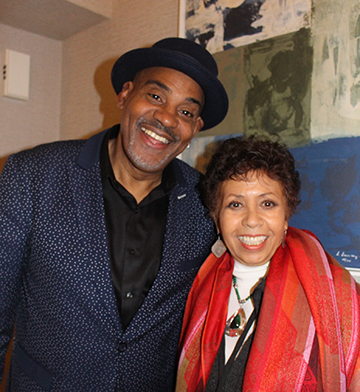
pixel 150 165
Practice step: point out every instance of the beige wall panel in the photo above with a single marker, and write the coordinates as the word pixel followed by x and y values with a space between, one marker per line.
pixel 88 100
pixel 102 7
pixel 25 124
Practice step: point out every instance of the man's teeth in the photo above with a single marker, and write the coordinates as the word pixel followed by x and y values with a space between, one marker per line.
pixel 252 241
pixel 155 136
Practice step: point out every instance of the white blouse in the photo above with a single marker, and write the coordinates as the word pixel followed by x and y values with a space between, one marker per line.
pixel 247 277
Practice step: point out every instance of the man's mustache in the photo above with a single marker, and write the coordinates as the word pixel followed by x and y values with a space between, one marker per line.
pixel 157 124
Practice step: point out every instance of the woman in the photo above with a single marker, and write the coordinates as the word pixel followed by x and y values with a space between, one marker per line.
pixel 269 310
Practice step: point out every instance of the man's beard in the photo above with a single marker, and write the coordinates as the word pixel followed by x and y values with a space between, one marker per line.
pixel 140 160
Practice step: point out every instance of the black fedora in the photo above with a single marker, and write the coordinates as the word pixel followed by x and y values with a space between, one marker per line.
pixel 184 56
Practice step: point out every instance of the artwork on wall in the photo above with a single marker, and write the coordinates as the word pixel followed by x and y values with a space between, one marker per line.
pixel 336 73
pixel 326 106
pixel 330 196
pixel 231 73
pixel 269 88
pixel 300 81
pixel 278 87
pixel 223 24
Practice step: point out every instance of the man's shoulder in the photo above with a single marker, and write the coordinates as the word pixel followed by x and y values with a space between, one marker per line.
pixel 68 148
pixel 189 174
pixel 43 159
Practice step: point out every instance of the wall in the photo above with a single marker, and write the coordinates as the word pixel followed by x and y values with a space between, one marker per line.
pixel 71 94
pixel 88 101
pixel 25 124
pixel 70 89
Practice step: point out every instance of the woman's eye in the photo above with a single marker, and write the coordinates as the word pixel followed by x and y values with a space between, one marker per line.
pixel 269 204
pixel 235 204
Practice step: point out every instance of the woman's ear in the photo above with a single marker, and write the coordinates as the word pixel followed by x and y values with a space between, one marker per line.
pixel 216 220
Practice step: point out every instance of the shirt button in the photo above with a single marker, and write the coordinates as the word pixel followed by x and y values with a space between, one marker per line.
pixel 122 347
pixel 132 252
pixel 129 295
pixel 136 210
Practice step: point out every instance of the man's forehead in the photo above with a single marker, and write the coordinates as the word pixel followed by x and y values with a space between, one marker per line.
pixel 160 75
pixel 163 71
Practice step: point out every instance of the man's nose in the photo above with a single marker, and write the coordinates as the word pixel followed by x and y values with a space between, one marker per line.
pixel 166 115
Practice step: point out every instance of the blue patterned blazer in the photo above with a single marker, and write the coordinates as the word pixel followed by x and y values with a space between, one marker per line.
pixel 55 282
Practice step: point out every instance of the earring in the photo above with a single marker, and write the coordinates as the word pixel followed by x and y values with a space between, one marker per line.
pixel 188 146
pixel 283 243
pixel 218 249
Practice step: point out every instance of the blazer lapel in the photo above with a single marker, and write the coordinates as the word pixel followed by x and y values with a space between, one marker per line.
pixel 85 184
pixel 167 294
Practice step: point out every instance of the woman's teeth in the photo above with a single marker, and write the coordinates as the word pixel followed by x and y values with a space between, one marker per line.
pixel 252 241
pixel 155 136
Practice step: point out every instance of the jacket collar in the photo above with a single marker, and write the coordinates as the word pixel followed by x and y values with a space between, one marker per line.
pixel 90 155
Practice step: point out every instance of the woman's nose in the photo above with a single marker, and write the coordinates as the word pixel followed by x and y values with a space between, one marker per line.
pixel 251 218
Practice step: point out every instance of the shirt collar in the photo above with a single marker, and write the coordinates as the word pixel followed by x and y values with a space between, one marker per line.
pixel 169 177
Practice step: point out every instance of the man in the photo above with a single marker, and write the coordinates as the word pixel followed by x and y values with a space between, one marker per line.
pixel 101 239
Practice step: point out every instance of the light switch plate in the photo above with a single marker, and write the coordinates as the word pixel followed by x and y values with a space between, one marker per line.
pixel 16 75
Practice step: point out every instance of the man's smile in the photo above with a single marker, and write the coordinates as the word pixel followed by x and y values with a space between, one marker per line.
pixel 155 136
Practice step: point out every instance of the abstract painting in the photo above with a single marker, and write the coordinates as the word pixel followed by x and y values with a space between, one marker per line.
pixel 223 24
pixel 335 108
pixel 269 88
pixel 330 200
pixel 278 84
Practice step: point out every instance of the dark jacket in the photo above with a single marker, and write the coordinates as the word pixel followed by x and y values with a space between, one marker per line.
pixel 55 278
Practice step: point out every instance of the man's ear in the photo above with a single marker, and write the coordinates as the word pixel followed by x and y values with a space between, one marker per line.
pixel 199 125
pixel 124 93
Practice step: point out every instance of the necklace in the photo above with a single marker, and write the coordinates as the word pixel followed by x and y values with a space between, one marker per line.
pixel 235 325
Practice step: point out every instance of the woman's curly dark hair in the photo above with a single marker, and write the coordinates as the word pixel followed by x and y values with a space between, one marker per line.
pixel 236 157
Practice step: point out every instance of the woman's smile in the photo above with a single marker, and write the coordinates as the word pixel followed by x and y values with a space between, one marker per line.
pixel 252 241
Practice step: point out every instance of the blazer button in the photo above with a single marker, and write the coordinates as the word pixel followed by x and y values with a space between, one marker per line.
pixel 122 347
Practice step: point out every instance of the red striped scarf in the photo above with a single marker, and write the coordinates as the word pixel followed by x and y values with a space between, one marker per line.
pixel 309 299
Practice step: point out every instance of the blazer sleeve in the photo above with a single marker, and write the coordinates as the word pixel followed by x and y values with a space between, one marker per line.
pixel 15 203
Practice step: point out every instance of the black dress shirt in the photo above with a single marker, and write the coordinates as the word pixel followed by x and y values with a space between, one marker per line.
pixel 135 234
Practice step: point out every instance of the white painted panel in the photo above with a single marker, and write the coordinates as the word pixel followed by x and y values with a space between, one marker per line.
pixel 355 272
pixel 16 74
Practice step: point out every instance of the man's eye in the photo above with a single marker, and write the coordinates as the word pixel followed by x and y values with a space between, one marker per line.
pixel 155 96
pixel 187 113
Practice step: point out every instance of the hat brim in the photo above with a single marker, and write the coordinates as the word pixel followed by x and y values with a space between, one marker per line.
pixel 216 100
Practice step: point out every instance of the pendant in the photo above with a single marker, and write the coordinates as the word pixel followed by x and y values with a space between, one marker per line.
pixel 236 323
